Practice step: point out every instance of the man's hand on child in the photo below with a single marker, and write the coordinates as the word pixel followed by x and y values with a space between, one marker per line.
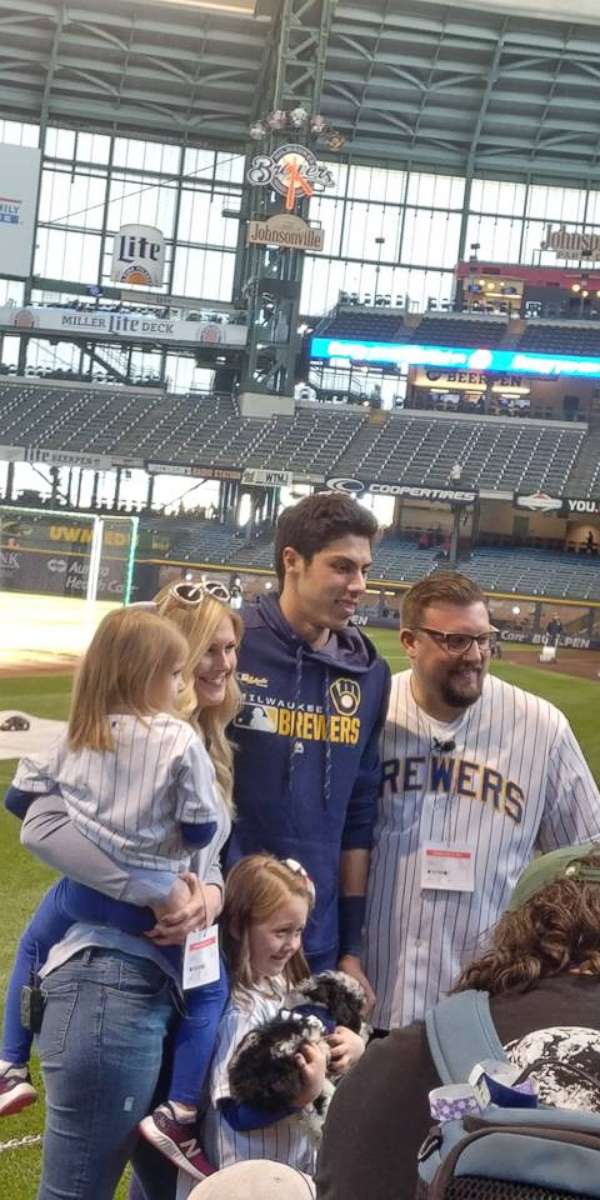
pixel 346 1049
pixel 312 1061
pixel 196 913
pixel 352 966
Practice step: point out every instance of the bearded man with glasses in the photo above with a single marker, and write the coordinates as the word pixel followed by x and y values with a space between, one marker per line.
pixel 478 774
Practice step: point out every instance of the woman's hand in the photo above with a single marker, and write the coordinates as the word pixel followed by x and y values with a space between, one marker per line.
pixel 312 1061
pixel 346 1049
pixel 201 909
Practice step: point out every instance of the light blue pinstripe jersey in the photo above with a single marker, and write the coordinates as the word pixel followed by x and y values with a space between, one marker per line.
pixel 131 801
pixel 287 1141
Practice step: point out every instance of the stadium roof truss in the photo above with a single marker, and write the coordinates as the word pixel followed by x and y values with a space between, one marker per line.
pixel 409 82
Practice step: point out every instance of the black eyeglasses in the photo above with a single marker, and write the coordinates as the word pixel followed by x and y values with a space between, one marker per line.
pixel 460 643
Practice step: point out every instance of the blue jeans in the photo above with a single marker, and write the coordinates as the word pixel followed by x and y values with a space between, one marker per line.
pixel 106 1020
pixel 67 902
pixel 63 904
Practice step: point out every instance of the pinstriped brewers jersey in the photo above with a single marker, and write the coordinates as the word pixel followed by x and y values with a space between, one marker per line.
pixel 506 778
pixel 130 801
pixel 287 1141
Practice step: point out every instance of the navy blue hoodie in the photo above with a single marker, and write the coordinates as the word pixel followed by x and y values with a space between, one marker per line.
pixel 307 770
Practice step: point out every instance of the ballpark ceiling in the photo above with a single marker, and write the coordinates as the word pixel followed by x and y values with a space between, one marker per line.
pixel 486 88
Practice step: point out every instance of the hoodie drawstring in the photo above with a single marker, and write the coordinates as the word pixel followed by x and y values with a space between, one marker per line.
pixel 296 745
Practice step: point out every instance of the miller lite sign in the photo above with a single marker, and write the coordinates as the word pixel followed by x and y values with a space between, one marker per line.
pixel 139 256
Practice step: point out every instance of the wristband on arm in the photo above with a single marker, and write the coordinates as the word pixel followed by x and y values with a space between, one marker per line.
pixel 244 1117
pixel 351 914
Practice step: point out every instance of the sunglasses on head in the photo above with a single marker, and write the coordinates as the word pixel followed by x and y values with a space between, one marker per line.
pixel 195 593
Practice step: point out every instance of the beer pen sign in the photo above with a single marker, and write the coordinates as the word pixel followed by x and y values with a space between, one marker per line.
pixel 291 170
pixel 139 256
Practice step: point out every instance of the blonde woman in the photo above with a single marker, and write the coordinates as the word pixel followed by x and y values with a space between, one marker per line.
pixel 108 993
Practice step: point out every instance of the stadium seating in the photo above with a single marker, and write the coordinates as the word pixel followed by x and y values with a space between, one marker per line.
pixel 452 331
pixel 400 559
pixel 373 326
pixel 535 573
pixel 414 448
pixel 560 339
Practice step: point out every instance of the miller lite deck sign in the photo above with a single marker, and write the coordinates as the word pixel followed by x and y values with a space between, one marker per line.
pixel 139 256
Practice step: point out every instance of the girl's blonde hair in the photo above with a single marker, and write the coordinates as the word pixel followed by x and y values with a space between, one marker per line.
pixel 255 888
pixel 199 624
pixel 131 650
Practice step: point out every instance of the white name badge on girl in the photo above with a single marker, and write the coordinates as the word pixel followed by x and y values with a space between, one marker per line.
pixel 201 962
pixel 448 868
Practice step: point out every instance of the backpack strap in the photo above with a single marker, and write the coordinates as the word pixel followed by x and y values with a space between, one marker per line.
pixel 461 1033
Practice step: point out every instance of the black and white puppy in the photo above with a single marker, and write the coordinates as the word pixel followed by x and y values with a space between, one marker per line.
pixel 263 1071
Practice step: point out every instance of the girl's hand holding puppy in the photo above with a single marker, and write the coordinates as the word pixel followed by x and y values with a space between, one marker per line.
pixel 312 1061
pixel 346 1048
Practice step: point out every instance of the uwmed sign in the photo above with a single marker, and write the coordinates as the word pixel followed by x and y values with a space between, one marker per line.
pixel 19 179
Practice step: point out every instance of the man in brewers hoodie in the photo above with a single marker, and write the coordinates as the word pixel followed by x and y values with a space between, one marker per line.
pixel 308 771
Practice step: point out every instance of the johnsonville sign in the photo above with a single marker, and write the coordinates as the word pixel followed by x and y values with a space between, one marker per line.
pixel 286 231
pixel 571 245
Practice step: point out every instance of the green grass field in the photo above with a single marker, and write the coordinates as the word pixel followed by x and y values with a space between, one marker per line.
pixel 24 878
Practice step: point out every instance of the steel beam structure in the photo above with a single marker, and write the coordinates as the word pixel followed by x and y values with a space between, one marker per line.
pixel 269 281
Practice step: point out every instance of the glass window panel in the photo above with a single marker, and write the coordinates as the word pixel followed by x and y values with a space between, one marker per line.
pixel 329 212
pixel 11 289
pixel 556 203
pixel 593 209
pixel 324 279
pixel 499 238
pixel 340 174
pixel 364 224
pixel 230 167
pixel 146 156
pixel 72 199
pixel 134 200
pixel 430 238
pixel 201 218
pixel 60 143
pixel 61 254
pixel 423 286
pixel 435 191
pixel 199 163
pixel 16 133
pixel 498 196
pixel 203 273
pixel 376 183
pixel 93 147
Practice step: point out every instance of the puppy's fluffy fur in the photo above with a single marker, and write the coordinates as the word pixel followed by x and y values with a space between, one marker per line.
pixel 263 1071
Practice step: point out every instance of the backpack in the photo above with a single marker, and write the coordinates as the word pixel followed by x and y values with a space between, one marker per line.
pixel 516 1153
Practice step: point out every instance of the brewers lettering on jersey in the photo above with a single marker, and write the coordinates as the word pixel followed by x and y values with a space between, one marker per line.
pixel 507 776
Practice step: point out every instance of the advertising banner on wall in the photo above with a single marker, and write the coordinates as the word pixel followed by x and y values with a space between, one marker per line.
pixel 19 178
pixel 356 487
pixel 193 471
pixel 123 326
pixel 287 231
pixel 139 256
pixel 263 478
pixel 570 506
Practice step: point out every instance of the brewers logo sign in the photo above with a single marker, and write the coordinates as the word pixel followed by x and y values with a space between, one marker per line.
pixel 306 722
pixel 292 171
